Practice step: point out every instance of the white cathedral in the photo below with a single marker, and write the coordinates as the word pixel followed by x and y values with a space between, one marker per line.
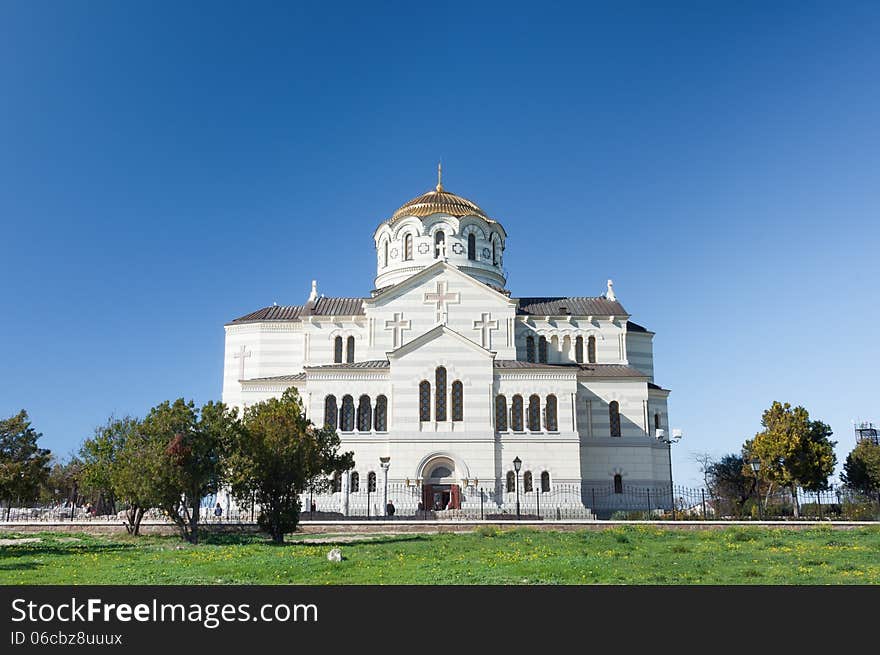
pixel 440 381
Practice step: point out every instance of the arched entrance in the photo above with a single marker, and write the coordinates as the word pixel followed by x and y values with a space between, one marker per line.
pixel 440 488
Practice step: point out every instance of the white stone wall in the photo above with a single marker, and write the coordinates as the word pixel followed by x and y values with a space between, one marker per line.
pixel 271 348
pixel 640 352
pixel 562 333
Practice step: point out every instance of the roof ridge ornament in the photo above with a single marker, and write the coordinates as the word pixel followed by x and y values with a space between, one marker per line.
pixel 609 294
pixel 313 296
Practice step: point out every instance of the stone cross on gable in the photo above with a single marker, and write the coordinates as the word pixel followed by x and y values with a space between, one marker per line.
pixel 442 298
pixel 486 325
pixel 398 325
pixel 242 354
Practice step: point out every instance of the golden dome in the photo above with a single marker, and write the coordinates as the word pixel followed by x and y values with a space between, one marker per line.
pixel 439 201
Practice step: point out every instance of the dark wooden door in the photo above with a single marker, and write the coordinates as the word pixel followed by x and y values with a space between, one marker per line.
pixel 456 497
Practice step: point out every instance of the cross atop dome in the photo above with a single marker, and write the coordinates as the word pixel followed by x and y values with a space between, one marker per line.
pixel 439 187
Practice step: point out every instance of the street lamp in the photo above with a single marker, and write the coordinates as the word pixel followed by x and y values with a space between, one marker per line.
pixel 755 463
pixel 517 465
pixel 675 438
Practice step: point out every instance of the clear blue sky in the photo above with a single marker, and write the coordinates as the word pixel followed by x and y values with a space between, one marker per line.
pixel 166 167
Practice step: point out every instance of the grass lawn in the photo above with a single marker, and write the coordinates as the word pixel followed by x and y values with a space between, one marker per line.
pixel 628 555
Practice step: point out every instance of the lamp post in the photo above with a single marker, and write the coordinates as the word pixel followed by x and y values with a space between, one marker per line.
pixel 517 464
pixel 755 463
pixel 675 438
pixel 385 463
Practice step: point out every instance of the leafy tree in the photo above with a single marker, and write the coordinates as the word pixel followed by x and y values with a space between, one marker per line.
pixel 276 455
pixel 727 482
pixel 100 455
pixel 63 483
pixel 182 450
pixel 794 451
pixel 24 467
pixel 861 471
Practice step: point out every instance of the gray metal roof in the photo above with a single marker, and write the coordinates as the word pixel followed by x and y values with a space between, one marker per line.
pixel 583 370
pixel 296 377
pixel 574 305
pixel 635 327
pixel 322 307
pixel 373 363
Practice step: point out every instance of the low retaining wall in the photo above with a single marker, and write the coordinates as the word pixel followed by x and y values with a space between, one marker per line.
pixel 425 527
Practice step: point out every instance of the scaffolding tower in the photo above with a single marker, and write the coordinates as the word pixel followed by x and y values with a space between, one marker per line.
pixel 867 432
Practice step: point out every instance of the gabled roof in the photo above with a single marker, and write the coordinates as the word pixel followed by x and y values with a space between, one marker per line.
pixel 632 326
pixel 322 307
pixel 574 305
pixel 416 279
pixel 296 377
pixel 436 333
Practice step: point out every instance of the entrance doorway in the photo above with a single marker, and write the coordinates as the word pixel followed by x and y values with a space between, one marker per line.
pixel 438 497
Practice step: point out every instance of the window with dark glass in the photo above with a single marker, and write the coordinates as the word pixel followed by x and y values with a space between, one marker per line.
pixel 511 482
pixel 385 260
pixel 530 349
pixel 349 352
pixel 579 350
pixel 355 482
pixel 371 481
pixel 550 420
pixel 656 421
pixel 618 484
pixel 439 243
pixel 424 400
pixel 457 401
pixel 500 413
pixel 440 394
pixel 527 481
pixel 336 483
pixel 346 423
pixel 516 413
pixel 542 350
pixel 331 414
pixel 614 418
pixel 472 247
pixel 591 349
pixel 534 413
pixel 337 350
pixel 494 257
pixel 381 418
pixel 545 482
pixel 365 414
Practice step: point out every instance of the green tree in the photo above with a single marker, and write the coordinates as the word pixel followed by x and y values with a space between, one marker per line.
pixel 861 470
pixel 794 451
pixel 276 455
pixel 100 456
pixel 24 466
pixel 63 482
pixel 182 450
pixel 727 482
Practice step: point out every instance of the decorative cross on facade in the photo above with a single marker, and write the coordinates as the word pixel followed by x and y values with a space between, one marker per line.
pixel 242 355
pixel 398 325
pixel 486 326
pixel 442 298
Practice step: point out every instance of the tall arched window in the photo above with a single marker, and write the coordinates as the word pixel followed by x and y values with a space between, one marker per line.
pixel 331 414
pixel 457 401
pixel 494 255
pixel 542 350
pixel 407 247
pixel 545 482
pixel 424 400
pixel 346 421
pixel 591 349
pixel 579 350
pixel 336 484
pixel 530 349
pixel 511 482
pixel 614 418
pixel 501 413
pixel 349 351
pixel 439 243
pixel 337 350
pixel 472 247
pixel 550 422
pixel 618 483
pixel 527 481
pixel 440 394
pixel 371 481
pixel 381 418
pixel 385 259
pixel 657 420
pixel 516 413
pixel 355 483
pixel 534 413
pixel 365 414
